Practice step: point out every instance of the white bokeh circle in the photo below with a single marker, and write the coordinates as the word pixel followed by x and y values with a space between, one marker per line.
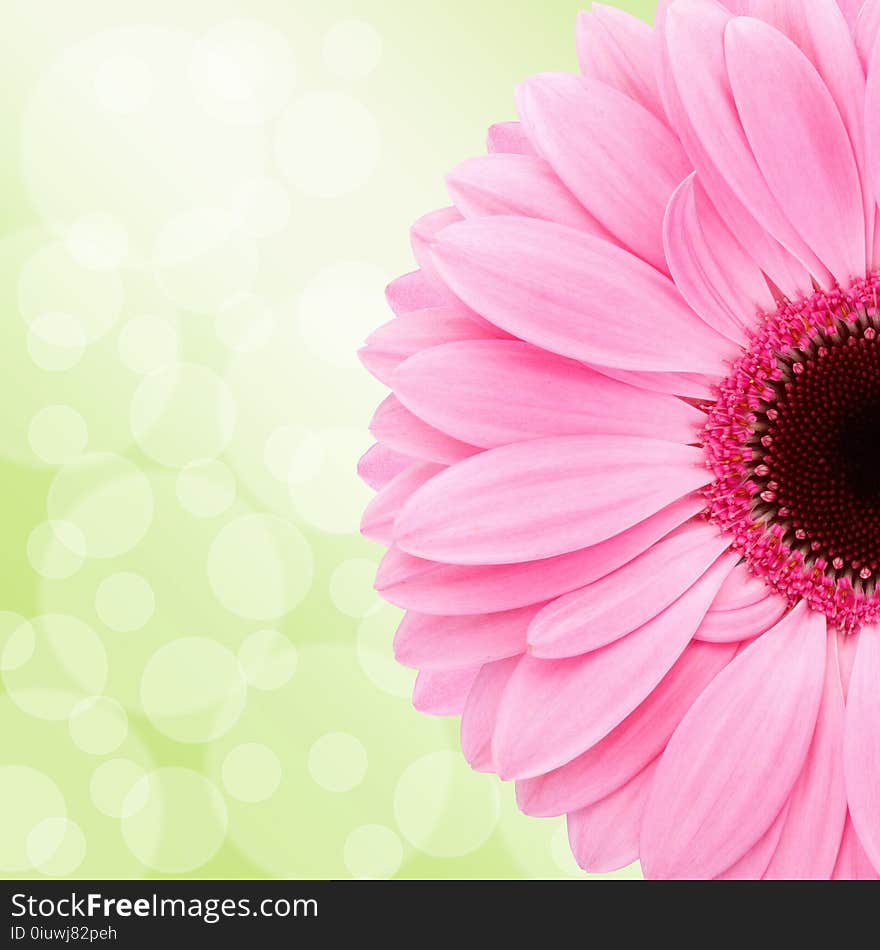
pixel 245 324
pixel 56 549
pixel 98 725
pixel 338 761
pixel 375 634
pixel 251 772
pixel 260 566
pixel 121 99
pixel 148 343
pixel 56 846
pixel 97 241
pixel 174 820
pixel 68 663
pixel 201 260
pixel 193 689
pixel 17 640
pixel 123 84
pixel 66 304
pixel 332 498
pixel 339 307
pixel 107 498
pixel 260 207
pixel 206 488
pixel 56 341
pixel 373 852
pixel 351 587
pixel 182 414
pixel 293 454
pixel 111 783
pixel 268 659
pixel 242 71
pixel 58 434
pixel 327 144
pixel 352 49
pixel 443 808
pixel 28 798
pixel 125 601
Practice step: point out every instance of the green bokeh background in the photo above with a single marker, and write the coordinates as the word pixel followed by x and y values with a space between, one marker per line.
pixel 201 204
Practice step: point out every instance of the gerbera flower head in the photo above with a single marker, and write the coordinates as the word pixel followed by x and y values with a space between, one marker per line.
pixel 629 472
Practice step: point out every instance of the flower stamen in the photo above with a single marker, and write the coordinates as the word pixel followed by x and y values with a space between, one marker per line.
pixel 794 442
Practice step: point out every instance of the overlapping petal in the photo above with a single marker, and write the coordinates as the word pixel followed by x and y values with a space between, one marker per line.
pixel 575 295
pixel 632 745
pixel 436 588
pixel 540 470
pixel 517 185
pixel 862 744
pixel 621 602
pixel 617 49
pixel 553 710
pixel 594 137
pixel 538 499
pixel 730 766
pixel 493 392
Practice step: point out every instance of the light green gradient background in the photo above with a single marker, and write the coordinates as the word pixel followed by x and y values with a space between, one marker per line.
pixel 206 757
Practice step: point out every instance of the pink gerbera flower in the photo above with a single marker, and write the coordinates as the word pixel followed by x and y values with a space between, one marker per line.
pixel 629 474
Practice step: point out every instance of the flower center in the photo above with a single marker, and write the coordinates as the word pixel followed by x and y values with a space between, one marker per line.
pixel 794 442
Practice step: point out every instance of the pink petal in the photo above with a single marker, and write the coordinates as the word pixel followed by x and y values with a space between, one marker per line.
pixel 533 500
pixel 786 272
pixel 799 141
pixel 847 647
pixel 517 184
pixel 710 127
pixel 617 49
pixel 852 863
pixel 424 231
pixel 850 10
pixel 448 643
pixel 605 836
pixel 741 589
pixel 731 764
pixel 660 60
pixel 690 385
pixel 481 710
pixel 404 432
pixel 716 277
pixel 596 138
pixel 808 846
pixel 861 747
pixel 629 597
pixel 508 138
pixel 744 623
pixel 752 865
pixel 434 588
pixel 553 710
pixel 378 518
pixel 565 291
pixel 443 693
pixel 822 33
pixel 422 235
pixel 867 28
pixel 872 114
pixel 737 7
pixel 629 747
pixel 397 340
pixel 380 464
pixel 492 392
pixel 412 292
